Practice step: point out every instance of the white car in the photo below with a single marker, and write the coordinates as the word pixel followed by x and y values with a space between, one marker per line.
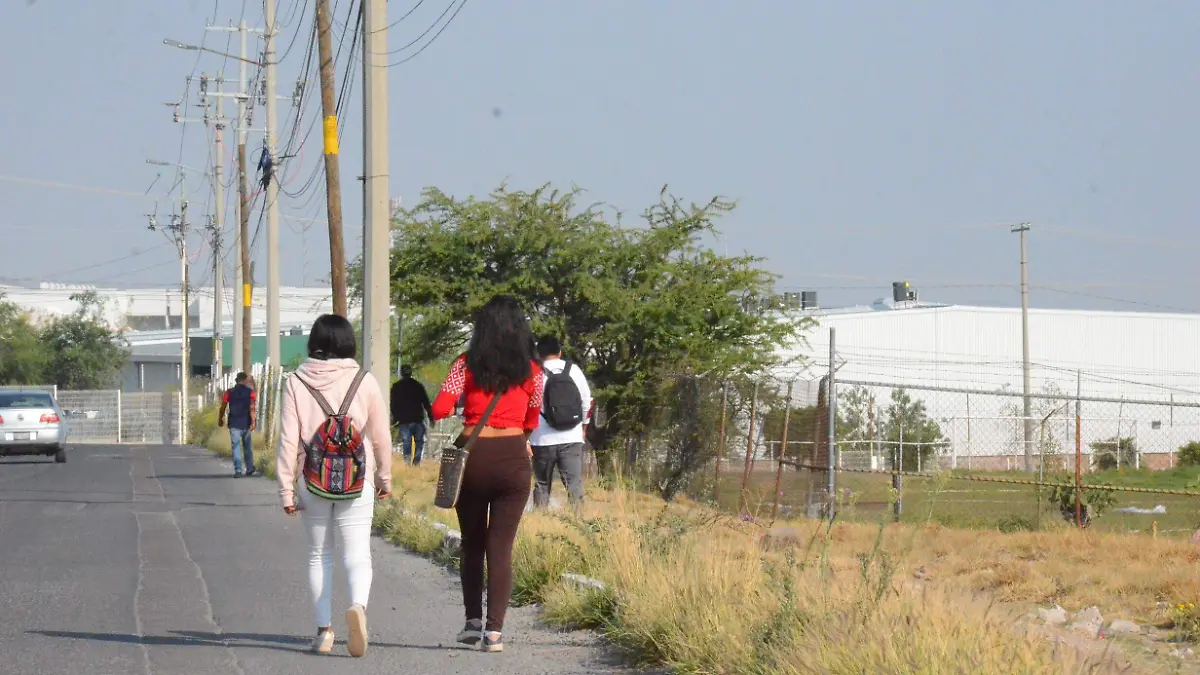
pixel 31 423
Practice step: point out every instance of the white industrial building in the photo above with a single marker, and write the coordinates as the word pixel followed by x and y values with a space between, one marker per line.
pixel 151 321
pixel 1138 373
pixel 150 309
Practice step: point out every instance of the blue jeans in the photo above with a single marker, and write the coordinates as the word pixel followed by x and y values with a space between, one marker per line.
pixel 408 433
pixel 241 441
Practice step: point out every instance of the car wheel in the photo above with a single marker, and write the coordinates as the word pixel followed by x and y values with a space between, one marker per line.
pixel 60 456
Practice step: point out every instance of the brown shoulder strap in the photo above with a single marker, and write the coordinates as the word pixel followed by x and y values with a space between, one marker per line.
pixel 482 421
pixel 358 378
pixel 325 407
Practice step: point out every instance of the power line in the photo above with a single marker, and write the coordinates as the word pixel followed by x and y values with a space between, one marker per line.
pixel 433 39
pixel 70 186
pixel 406 15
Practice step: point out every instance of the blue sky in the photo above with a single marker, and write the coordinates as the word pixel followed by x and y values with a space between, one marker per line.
pixel 864 141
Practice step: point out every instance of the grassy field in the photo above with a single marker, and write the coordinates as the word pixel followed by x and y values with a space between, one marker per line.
pixel 704 592
pixel 954 501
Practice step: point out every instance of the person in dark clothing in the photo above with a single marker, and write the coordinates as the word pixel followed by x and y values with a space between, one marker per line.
pixel 410 407
pixel 243 418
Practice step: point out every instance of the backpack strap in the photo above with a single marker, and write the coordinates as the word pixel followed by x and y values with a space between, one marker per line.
pixel 325 407
pixel 358 378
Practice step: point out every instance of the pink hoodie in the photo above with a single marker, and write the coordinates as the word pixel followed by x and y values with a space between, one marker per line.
pixel 302 415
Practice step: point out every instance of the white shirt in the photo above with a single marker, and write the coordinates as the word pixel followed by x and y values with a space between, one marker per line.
pixel 548 435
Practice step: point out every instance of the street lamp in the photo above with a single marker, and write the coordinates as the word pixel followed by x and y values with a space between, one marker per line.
pixel 196 48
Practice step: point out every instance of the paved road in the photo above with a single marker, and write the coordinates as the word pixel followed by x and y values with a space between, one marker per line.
pixel 153 560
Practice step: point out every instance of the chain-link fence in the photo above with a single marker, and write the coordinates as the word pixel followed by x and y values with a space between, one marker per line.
pixel 917 450
pixel 112 416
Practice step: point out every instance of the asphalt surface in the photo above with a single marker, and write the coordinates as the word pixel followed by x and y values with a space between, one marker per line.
pixel 154 560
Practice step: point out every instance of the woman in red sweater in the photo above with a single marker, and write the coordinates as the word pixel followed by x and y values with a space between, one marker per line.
pixel 498 475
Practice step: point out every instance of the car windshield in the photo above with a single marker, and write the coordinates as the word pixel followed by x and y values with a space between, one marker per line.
pixel 25 400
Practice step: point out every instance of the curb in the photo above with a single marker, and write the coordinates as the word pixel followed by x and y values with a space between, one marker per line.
pixel 452 543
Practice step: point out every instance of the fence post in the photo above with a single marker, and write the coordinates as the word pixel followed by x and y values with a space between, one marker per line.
pixel 749 449
pixel 970 452
pixel 787 413
pixel 120 414
pixel 898 486
pixel 1079 449
pixel 831 406
pixel 720 444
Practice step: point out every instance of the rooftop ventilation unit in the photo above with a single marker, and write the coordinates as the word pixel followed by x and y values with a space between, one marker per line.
pixel 902 292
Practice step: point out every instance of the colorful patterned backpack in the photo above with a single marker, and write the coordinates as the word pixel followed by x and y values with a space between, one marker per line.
pixel 335 459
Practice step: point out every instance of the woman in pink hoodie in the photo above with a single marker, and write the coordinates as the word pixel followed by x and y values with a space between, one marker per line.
pixel 330 371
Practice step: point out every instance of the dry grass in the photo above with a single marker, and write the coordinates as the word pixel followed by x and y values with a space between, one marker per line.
pixel 704 593
pixel 700 592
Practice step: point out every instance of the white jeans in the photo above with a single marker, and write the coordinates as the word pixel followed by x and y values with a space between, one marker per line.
pixel 351 520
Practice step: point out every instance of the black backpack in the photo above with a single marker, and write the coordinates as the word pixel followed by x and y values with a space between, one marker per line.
pixel 562 405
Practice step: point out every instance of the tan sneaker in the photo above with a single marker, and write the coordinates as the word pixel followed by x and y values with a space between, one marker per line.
pixel 323 643
pixel 356 621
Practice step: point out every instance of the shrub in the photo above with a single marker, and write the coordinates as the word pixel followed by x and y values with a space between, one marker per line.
pixel 1185 618
pixel 1095 502
pixel 1189 455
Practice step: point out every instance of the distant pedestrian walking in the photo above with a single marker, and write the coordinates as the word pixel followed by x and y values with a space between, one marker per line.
pixel 410 407
pixel 558 440
pixel 496 481
pixel 243 419
pixel 334 439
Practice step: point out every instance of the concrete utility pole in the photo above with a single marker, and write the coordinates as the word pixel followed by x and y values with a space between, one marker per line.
pixel 218 368
pixel 273 348
pixel 185 362
pixel 217 122
pixel 333 189
pixel 241 241
pixel 1028 407
pixel 376 201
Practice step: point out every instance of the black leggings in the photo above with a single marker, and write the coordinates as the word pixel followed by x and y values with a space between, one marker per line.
pixel 495 490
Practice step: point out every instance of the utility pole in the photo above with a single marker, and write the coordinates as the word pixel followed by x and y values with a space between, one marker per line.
pixel 1028 407
pixel 247 294
pixel 273 349
pixel 333 189
pixel 181 228
pixel 218 221
pixel 218 123
pixel 376 201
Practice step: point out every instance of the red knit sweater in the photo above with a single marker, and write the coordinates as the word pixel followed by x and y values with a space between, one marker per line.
pixel 518 407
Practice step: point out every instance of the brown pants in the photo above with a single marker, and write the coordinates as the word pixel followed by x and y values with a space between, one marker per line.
pixel 495 490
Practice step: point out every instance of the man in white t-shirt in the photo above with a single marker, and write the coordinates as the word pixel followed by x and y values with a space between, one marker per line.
pixel 558 440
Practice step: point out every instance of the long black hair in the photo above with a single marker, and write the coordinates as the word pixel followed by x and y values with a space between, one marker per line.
pixel 501 350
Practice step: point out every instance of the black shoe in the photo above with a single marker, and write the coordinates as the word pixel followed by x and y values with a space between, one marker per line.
pixel 471 633
pixel 237 474
pixel 251 472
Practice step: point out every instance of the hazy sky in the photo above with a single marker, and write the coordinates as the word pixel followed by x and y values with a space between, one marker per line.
pixel 865 141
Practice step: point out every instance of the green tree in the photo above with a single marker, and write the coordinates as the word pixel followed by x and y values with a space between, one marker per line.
pixel 22 355
pixel 638 307
pixel 911 435
pixel 83 352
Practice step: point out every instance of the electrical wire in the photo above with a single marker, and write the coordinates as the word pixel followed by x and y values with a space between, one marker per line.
pixel 406 15
pixel 446 25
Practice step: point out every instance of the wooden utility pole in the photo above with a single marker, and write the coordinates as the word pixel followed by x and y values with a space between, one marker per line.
pixel 244 241
pixel 333 188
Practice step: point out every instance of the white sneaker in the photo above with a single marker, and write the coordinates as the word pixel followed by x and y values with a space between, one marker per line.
pixel 323 643
pixel 356 621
